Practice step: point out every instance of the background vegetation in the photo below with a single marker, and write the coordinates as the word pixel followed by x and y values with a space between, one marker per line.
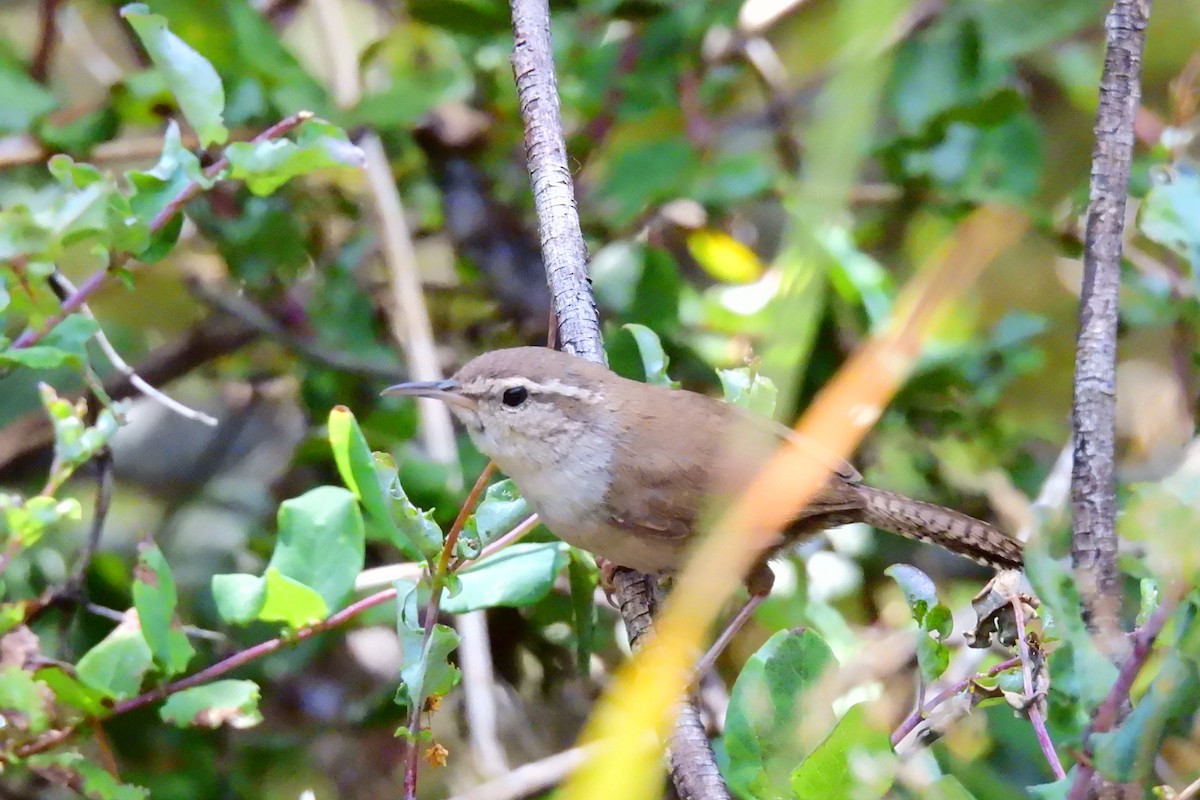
pixel 755 181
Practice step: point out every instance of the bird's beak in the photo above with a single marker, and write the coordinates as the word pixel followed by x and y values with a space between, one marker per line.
pixel 447 391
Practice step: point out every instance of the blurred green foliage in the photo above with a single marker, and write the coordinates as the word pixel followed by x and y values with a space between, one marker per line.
pixel 754 193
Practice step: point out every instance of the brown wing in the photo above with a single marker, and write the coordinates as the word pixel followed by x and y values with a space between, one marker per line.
pixel 660 495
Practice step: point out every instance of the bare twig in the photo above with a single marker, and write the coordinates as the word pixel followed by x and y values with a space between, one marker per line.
pixel 213 337
pixel 272 324
pixel 563 250
pixel 188 630
pixel 1036 708
pixel 528 779
pixel 386 575
pixel 1093 488
pixel 104 487
pixel 39 68
pixel 479 692
pixel 914 719
pixel 123 367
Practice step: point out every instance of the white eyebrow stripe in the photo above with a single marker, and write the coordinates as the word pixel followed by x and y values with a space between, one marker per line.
pixel 552 386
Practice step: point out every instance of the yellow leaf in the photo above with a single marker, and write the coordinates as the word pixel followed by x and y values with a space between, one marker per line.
pixel 724 257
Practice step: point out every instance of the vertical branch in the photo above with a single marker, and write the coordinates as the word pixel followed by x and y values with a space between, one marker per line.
pixel 692 763
pixel 39 68
pixel 553 192
pixel 1093 487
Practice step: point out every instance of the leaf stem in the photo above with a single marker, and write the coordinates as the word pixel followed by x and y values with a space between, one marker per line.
pixel 437 583
pixel 914 719
pixel 1034 709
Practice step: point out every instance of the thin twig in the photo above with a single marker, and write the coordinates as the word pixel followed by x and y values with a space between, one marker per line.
pixel 190 631
pixel 563 249
pixel 236 660
pixel 914 719
pixel 437 583
pixel 386 575
pixel 272 324
pixel 123 367
pixel 104 488
pixel 1035 709
pixel 528 779
pixel 39 68
pixel 215 336
pixel 158 222
pixel 479 692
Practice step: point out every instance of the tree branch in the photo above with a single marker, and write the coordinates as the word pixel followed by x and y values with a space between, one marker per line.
pixel 1093 486
pixel 692 762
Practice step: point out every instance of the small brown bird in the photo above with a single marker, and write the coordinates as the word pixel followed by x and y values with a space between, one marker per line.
pixel 627 470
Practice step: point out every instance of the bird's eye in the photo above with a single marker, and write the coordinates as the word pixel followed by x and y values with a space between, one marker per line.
pixel 514 396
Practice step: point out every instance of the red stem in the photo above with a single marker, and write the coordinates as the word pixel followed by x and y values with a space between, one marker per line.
pixel 216 670
pixel 914 719
pixel 431 614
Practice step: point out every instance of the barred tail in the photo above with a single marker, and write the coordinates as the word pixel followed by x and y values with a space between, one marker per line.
pixel 925 522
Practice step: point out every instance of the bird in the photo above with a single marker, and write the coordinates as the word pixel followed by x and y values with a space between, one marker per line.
pixel 629 470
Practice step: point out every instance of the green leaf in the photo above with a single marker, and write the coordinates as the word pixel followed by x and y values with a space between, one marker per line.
pixel 919 591
pixel 93 781
pixel 154 189
pixel 368 475
pixel 427 670
pixel 27 521
pixel 932 617
pixel 239 597
pixel 228 702
pixel 501 510
pixel 654 359
pixel 519 575
pixel 242 599
pixel 118 663
pixel 415 532
pixel 948 787
pixel 748 388
pixel 155 599
pixel 1170 214
pixel 191 78
pixel 584 578
pixel 70 691
pixel 841 765
pixel 321 542
pixel 75 443
pixel 22 703
pixel 763 737
pixel 291 602
pixel 66 344
pixel 267 165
